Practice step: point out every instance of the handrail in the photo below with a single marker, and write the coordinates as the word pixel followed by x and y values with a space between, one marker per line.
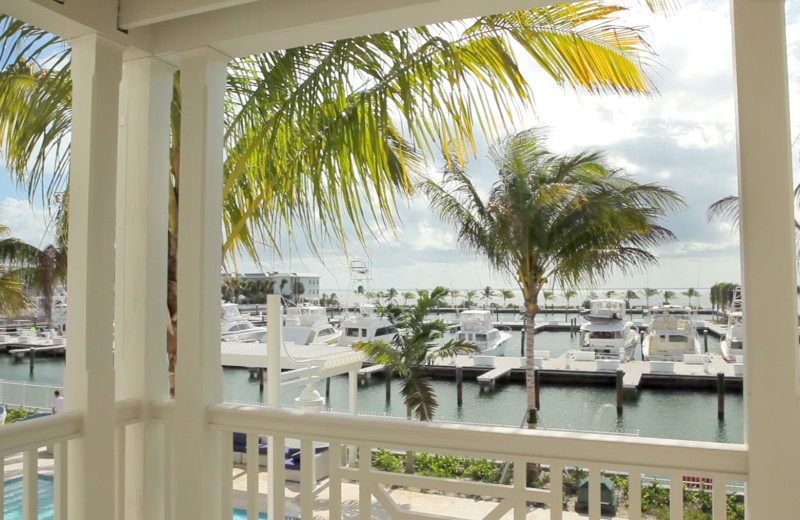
pixel 25 435
pixel 162 410
pixel 127 411
pixel 579 449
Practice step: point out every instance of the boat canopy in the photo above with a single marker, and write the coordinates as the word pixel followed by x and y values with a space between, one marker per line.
pixel 476 320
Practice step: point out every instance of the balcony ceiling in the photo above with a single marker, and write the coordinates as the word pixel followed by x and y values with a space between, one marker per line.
pixel 241 27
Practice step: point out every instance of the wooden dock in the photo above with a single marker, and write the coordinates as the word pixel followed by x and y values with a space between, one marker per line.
pixel 488 379
pixel 365 374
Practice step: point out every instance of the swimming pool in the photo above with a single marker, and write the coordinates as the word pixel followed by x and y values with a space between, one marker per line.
pixel 241 514
pixel 12 509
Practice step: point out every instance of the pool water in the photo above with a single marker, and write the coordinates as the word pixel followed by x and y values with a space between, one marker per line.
pixel 241 514
pixel 12 509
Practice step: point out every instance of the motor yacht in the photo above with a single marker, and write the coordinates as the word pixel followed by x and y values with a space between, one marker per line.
pixel 608 332
pixel 671 334
pixel 477 328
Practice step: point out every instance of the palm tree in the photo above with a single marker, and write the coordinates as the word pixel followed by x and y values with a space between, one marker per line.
pixel 506 294
pixel 567 220
pixel 413 348
pixel 470 295
pixel 648 292
pixel 568 295
pixel 453 295
pixel 611 294
pixel 548 296
pixel 488 294
pixel 42 269
pixel 391 295
pixel 303 141
pixel 691 292
pixel 631 295
pixel 12 290
pixel 667 295
pixel 408 295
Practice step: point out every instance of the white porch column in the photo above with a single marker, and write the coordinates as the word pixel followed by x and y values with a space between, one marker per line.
pixel 198 377
pixel 141 317
pixel 772 407
pixel 89 374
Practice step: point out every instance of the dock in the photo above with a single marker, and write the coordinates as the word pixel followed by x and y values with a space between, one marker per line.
pixel 365 374
pixel 488 380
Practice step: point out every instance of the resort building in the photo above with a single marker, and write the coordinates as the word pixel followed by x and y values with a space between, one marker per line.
pixel 124 450
pixel 295 287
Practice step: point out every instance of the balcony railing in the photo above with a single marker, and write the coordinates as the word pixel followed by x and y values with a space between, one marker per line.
pixel 343 447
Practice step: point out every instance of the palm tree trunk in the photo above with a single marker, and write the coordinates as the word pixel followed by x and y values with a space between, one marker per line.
pixel 409 453
pixel 530 384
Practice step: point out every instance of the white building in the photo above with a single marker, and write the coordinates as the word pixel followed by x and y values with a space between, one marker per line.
pixel 295 287
pixel 135 454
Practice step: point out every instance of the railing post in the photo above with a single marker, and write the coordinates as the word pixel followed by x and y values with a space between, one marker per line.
pixel 89 374
pixel 364 483
pixel 768 250
pixel 198 374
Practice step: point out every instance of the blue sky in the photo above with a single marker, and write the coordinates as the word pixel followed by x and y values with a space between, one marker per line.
pixel 684 138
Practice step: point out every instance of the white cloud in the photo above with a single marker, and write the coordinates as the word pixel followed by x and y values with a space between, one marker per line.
pixel 27 222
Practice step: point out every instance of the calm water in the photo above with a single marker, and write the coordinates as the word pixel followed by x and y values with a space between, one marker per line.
pixel 689 415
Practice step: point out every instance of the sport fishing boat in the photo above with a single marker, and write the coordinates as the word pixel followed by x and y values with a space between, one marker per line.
pixel 308 324
pixel 732 343
pixel 236 327
pixel 477 328
pixel 671 334
pixel 367 324
pixel 608 332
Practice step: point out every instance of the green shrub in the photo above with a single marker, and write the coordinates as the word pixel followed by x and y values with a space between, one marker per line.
pixel 15 414
pixel 385 460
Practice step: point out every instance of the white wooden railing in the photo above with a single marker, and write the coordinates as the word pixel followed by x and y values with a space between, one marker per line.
pixel 597 453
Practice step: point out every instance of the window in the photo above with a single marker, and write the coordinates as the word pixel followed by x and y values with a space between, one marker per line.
pixel 384 331
pixel 351 332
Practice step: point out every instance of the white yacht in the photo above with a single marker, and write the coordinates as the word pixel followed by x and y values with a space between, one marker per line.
pixel 732 343
pixel 608 333
pixel 308 324
pixel 671 334
pixel 477 328
pixel 236 327
pixel 367 324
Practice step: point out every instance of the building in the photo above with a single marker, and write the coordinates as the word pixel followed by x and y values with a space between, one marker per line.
pixel 135 454
pixel 295 287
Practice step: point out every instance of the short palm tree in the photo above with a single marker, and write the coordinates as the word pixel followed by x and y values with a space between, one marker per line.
pixel 408 295
pixel 668 295
pixel 691 292
pixel 568 295
pixel 548 296
pixel 391 295
pixel 611 294
pixel 648 293
pixel 470 295
pixel 566 220
pixel 631 295
pixel 487 294
pixel 506 294
pixel 453 295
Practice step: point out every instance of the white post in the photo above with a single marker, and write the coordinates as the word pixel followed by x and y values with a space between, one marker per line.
pixel 198 382
pixel 142 220
pixel 89 374
pixel 274 341
pixel 768 258
pixel 352 402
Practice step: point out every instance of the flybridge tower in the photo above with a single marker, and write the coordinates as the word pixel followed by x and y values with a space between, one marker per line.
pixel 360 276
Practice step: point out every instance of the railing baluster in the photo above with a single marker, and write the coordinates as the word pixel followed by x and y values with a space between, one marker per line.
pixel 276 482
pixel 634 495
pixel 720 498
pixel 675 497
pixel 364 482
pixel 3 488
pixel 520 483
pixel 168 474
pixel 594 493
pixel 252 476
pixel 556 491
pixel 60 462
pixel 120 467
pixel 335 481
pixel 30 484
pixel 226 468
pixel 307 472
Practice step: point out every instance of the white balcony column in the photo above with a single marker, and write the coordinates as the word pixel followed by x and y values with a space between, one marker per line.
pixel 772 407
pixel 141 307
pixel 89 373
pixel 198 377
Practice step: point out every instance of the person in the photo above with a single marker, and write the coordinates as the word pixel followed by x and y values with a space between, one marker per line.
pixel 58 403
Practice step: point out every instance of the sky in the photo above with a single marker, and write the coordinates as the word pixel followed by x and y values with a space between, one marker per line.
pixel 684 137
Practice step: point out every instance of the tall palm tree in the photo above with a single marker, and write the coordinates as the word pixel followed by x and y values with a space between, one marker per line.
pixel 568 295
pixel 391 295
pixel 566 220
pixel 548 296
pixel 304 142
pixel 488 294
pixel 42 269
pixel 506 294
pixel 470 295
pixel 12 290
pixel 453 295
pixel 611 294
pixel 691 292
pixel 631 295
pixel 408 295
pixel 648 293
pixel 668 295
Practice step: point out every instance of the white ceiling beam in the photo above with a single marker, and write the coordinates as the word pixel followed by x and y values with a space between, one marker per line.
pixel 138 13
pixel 278 24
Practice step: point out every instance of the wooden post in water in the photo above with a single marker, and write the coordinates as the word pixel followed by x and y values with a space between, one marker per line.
pixel 261 380
pixel 721 396
pixel 32 356
pixel 620 375
pixel 459 385
pixel 388 373
pixel 705 340
pixel 328 391
pixel 536 386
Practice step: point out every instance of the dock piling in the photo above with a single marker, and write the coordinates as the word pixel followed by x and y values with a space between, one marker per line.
pixel 620 376
pixel 388 374
pixel 705 340
pixel 261 380
pixel 32 356
pixel 721 396
pixel 459 385
pixel 536 386
pixel 328 390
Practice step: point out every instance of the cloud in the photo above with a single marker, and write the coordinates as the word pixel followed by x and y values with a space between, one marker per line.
pixel 25 221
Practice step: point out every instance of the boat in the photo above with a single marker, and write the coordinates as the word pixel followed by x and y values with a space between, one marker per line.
pixel 732 343
pixel 308 324
pixel 366 325
pixel 477 328
pixel 236 327
pixel 608 332
pixel 671 334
